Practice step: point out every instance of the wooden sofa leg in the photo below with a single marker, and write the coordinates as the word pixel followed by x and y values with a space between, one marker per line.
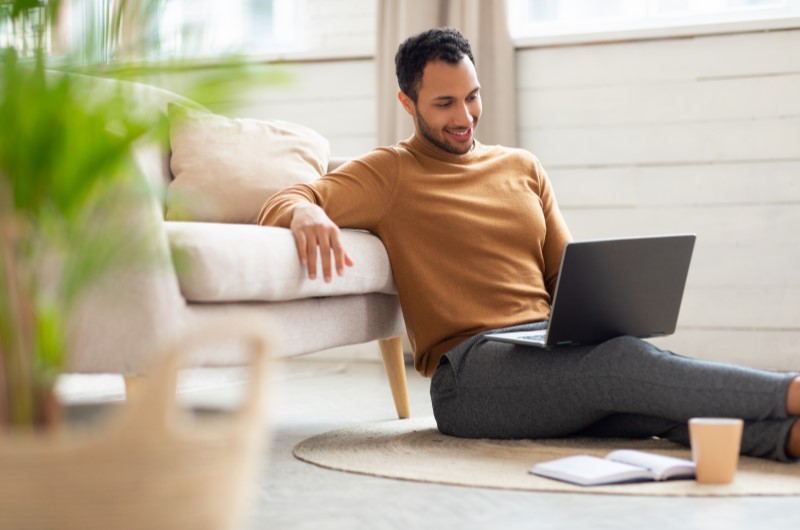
pixel 392 352
pixel 132 384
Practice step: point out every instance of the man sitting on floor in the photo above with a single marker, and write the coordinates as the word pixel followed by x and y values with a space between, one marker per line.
pixel 475 239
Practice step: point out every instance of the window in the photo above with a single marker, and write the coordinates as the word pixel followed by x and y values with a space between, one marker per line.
pixel 208 28
pixel 26 34
pixel 548 18
pixel 196 29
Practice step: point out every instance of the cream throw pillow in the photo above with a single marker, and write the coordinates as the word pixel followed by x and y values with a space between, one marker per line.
pixel 225 169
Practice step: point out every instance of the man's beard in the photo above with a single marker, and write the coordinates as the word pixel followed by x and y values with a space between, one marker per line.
pixel 429 134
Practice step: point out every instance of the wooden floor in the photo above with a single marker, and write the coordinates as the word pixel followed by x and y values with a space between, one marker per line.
pixel 312 397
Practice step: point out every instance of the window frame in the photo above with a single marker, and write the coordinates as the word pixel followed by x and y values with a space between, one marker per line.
pixel 673 27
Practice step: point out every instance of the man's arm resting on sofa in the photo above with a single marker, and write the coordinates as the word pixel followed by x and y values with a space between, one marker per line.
pixel 311 226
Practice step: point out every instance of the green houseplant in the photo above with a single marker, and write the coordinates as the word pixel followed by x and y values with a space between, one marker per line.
pixel 62 158
pixel 67 186
pixel 66 179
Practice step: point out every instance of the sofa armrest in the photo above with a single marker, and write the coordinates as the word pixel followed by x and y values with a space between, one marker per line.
pixel 125 317
pixel 249 263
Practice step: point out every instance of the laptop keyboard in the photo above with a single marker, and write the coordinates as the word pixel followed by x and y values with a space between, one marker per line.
pixel 535 335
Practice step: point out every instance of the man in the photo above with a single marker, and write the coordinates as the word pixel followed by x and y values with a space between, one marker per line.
pixel 475 238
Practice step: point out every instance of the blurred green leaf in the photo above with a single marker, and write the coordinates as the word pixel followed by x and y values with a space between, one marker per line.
pixel 69 189
pixel 21 6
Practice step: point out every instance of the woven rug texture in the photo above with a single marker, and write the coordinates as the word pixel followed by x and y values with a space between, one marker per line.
pixel 415 450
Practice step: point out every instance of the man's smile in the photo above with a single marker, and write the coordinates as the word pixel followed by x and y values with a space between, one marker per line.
pixel 461 135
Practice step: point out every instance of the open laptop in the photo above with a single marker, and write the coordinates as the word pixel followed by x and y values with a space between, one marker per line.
pixel 614 287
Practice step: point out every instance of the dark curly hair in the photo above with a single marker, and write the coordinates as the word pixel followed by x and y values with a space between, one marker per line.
pixel 438 44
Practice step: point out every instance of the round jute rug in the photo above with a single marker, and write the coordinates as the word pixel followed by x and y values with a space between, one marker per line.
pixel 415 450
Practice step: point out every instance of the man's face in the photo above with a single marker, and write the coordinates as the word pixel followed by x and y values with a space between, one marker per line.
pixel 448 105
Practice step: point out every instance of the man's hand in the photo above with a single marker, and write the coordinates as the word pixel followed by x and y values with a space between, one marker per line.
pixel 312 229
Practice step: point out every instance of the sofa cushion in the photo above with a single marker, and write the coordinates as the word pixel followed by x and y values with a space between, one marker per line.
pixel 237 263
pixel 225 169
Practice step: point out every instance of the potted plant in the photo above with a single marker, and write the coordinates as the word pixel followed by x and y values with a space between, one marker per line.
pixel 66 183
pixel 61 159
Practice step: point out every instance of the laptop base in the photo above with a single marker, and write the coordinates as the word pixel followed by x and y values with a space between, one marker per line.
pixel 524 338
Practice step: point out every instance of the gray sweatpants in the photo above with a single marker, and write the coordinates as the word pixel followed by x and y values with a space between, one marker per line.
pixel 625 388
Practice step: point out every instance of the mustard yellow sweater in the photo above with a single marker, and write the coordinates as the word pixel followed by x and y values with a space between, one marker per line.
pixel 474 240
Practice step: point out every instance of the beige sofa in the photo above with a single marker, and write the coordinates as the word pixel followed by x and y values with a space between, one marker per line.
pixel 215 266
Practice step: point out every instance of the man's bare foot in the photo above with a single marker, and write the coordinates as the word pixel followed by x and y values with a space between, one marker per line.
pixel 793 445
pixel 793 398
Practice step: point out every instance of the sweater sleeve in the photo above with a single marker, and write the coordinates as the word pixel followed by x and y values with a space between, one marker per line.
pixel 355 195
pixel 557 233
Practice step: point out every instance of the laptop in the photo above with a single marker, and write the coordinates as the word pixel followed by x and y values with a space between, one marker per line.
pixel 615 287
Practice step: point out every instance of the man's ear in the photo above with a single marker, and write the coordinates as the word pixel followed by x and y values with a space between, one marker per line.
pixel 407 103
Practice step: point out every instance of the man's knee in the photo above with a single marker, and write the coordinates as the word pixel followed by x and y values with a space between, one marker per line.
pixel 626 355
pixel 627 345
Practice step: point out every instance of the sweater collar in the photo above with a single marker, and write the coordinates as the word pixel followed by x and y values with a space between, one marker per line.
pixel 436 153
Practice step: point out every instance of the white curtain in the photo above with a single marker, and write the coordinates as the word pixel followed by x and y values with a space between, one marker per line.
pixel 483 23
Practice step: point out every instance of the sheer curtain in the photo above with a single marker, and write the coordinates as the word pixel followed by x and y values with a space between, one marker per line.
pixel 483 22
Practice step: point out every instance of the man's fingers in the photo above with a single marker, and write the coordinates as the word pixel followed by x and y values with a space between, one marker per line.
pixel 300 243
pixel 311 256
pixel 339 254
pixel 325 254
pixel 316 238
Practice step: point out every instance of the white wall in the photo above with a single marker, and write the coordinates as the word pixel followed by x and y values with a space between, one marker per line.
pixel 341 25
pixel 685 135
pixel 335 98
